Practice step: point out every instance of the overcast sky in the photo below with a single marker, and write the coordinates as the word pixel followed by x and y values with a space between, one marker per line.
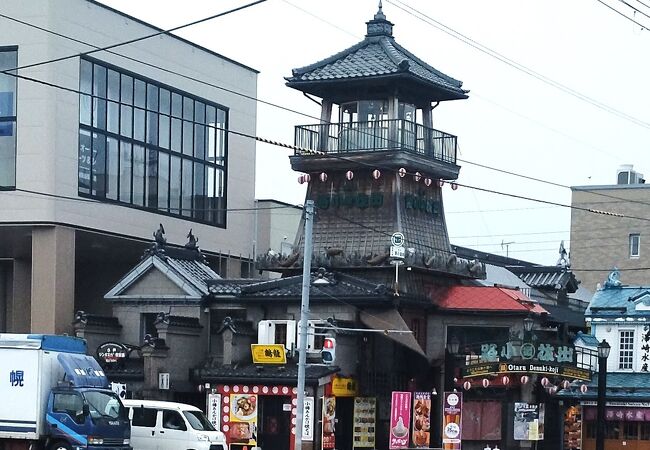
pixel 511 120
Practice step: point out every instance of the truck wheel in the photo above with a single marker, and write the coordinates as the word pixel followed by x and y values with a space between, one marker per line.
pixel 60 446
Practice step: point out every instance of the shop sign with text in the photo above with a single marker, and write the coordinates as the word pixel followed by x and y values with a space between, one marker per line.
pixel 400 418
pixel 344 387
pixel 268 354
pixel 363 432
pixel 452 420
pixel 497 368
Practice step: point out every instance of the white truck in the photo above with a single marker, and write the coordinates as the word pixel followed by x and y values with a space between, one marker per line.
pixel 55 397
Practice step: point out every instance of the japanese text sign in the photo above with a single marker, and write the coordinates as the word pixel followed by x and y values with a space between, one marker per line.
pixel 400 418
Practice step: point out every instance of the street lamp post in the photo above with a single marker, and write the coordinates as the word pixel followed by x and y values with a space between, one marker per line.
pixel 603 354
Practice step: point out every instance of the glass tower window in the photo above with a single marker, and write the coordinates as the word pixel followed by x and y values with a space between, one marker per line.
pixel 8 60
pixel 147 145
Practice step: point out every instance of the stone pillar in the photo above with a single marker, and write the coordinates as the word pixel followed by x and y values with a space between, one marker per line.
pixel 53 271
pixel 324 131
pixel 155 362
pixel 19 302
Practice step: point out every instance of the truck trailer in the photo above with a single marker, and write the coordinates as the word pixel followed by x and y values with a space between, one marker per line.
pixel 55 397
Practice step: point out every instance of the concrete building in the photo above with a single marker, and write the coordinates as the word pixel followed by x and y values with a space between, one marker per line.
pixel 600 242
pixel 96 151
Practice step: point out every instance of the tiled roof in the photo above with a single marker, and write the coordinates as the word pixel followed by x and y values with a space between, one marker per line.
pixel 334 285
pixel 620 386
pixel 616 301
pixel 485 298
pixel 565 314
pixel 272 373
pixel 179 321
pixel 588 339
pixel 547 277
pixel 378 55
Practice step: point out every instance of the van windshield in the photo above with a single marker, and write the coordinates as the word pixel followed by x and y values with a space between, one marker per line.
pixel 198 421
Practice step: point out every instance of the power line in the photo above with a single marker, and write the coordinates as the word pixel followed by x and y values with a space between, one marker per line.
pixel 259 100
pixel 131 41
pixel 459 36
pixel 636 10
pixel 617 12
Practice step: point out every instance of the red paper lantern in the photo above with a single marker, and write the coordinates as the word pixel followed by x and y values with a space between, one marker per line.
pixel 524 379
pixel 401 172
pixel 307 178
pixel 467 385
pixel 505 380
pixel 349 175
pixel 441 183
pixel 545 382
pixel 376 174
pixel 417 176
pixel 566 384
pixel 301 179
pixel 323 177
pixel 427 182
pixel 485 382
pixel 584 388
pixel 454 186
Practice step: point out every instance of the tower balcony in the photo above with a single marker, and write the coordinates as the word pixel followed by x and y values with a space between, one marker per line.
pixel 395 143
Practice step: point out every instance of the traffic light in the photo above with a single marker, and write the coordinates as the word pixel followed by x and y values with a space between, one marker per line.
pixel 328 353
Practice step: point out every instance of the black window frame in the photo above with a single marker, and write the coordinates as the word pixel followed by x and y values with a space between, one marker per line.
pixel 202 208
pixel 14 118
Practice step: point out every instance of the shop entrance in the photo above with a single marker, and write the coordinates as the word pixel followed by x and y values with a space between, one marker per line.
pixel 344 419
pixel 274 427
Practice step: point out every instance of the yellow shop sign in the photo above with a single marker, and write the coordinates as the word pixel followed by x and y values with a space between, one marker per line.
pixel 344 387
pixel 268 354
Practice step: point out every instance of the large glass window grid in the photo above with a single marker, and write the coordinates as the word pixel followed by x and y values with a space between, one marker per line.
pixel 626 349
pixel 146 145
pixel 8 60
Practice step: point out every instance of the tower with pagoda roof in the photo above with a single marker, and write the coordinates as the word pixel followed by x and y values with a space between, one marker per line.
pixel 375 164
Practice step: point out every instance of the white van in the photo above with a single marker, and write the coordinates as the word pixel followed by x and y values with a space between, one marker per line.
pixel 159 425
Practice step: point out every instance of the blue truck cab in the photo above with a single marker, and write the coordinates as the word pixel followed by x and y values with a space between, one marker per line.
pixel 58 398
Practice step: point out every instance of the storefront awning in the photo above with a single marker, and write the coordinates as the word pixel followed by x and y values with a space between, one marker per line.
pixel 391 320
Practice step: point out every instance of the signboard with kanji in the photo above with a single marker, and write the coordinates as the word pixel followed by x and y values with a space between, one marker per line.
pixel 268 354
pixel 344 387
pixel 308 419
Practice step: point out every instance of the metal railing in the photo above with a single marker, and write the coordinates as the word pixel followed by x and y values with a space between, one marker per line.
pixel 378 135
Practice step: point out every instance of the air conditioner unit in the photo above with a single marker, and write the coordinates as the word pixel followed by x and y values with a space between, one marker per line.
pixel 626 175
pixel 267 330
pixel 315 331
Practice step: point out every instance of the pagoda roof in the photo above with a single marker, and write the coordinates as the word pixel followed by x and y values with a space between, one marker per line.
pixel 378 58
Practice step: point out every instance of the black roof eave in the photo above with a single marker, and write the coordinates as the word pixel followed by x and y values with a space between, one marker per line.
pixel 327 88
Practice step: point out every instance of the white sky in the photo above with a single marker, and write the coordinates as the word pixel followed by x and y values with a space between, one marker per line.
pixel 511 120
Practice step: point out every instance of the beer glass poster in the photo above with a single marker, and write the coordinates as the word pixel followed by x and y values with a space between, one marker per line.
pixel 400 418
pixel 451 424
pixel 421 418
pixel 529 422
pixel 363 433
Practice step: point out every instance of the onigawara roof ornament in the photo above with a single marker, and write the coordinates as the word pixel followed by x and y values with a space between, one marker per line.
pixel 192 243
pixel 613 279
pixel 159 236
pixel 564 260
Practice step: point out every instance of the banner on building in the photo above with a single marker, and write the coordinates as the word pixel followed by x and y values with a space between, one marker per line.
pixel 529 422
pixel 400 418
pixel 573 428
pixel 329 419
pixel 308 419
pixel 365 413
pixel 421 419
pixel 452 421
pixel 214 410
pixel 243 419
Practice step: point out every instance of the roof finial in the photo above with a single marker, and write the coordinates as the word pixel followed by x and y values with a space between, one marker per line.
pixel 380 13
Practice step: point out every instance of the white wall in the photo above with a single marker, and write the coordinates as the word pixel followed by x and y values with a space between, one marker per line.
pixel 47 120
pixel 610 332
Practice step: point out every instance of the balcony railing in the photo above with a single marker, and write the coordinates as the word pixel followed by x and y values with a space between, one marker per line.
pixel 378 135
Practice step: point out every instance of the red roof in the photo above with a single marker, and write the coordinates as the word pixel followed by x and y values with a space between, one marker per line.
pixel 487 298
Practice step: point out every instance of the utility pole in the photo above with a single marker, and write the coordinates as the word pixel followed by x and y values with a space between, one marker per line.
pixel 304 315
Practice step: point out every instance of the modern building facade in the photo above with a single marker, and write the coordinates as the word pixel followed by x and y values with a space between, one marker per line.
pixel 619 238
pixel 97 150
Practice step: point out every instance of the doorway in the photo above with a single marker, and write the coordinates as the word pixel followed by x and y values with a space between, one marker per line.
pixel 344 422
pixel 274 426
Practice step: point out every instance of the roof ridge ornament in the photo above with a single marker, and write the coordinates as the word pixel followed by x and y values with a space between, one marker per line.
pixel 613 279
pixel 564 260
pixel 379 25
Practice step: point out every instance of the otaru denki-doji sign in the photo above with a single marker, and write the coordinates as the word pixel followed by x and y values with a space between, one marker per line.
pixel 541 358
